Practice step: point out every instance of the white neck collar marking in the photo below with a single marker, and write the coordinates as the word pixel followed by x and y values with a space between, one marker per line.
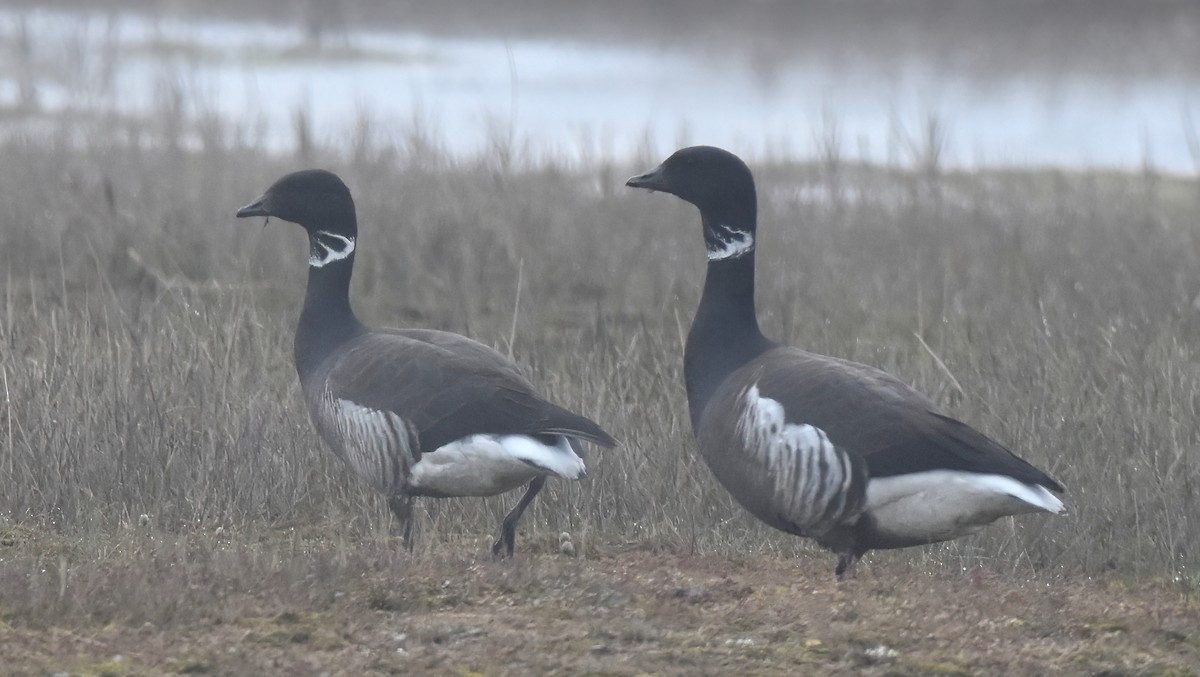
pixel 740 242
pixel 331 254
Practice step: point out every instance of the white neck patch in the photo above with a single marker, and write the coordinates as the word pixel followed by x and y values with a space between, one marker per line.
pixel 333 251
pixel 739 242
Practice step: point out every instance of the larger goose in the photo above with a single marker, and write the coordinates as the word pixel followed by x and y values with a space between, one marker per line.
pixel 415 412
pixel 817 446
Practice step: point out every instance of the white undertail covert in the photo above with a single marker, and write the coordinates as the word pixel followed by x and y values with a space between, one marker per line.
pixel 483 465
pixel 946 504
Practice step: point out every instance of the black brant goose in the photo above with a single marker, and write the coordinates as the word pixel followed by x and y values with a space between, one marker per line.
pixel 817 446
pixel 415 412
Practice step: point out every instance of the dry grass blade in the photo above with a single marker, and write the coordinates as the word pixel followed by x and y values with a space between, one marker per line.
pixel 158 466
pixel 941 365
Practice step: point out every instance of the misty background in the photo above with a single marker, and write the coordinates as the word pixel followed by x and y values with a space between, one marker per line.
pixel 968 83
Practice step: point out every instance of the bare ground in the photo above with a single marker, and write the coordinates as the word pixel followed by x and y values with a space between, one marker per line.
pixel 370 608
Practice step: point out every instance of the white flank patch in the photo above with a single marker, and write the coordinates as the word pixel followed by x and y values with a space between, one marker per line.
pixel 374 443
pixel 331 254
pixel 809 474
pixel 740 242
pixel 485 465
pixel 945 504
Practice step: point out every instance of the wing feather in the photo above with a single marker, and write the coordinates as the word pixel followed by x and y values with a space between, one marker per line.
pixel 446 387
pixel 896 429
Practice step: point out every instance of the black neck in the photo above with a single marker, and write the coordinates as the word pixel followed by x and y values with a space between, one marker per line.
pixel 725 333
pixel 327 321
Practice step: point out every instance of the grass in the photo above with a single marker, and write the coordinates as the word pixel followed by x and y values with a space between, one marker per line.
pixel 164 506
pixel 311 605
pixel 158 468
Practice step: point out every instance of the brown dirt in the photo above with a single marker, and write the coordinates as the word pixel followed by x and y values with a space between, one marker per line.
pixel 639 612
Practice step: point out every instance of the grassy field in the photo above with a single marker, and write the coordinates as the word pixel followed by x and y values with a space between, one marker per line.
pixel 165 507
pixel 349 607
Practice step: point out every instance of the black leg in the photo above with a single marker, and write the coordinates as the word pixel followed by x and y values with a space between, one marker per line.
pixel 402 508
pixel 508 528
pixel 847 566
pixel 850 553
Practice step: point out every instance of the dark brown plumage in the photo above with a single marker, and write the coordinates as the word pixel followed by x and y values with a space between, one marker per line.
pixel 415 412
pixel 817 446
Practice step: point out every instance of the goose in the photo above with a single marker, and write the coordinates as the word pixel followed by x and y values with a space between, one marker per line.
pixel 815 446
pixel 414 412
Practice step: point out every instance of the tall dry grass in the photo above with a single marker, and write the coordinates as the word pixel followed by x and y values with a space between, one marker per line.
pixel 146 366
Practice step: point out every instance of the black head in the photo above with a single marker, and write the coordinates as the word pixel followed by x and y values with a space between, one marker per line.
pixel 313 198
pixel 713 179
pixel 720 185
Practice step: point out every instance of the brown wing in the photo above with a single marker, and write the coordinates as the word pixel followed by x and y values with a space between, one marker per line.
pixel 894 428
pixel 446 387
pixel 467 349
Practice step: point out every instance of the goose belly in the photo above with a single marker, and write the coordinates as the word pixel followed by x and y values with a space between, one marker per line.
pixel 485 465
pixel 941 505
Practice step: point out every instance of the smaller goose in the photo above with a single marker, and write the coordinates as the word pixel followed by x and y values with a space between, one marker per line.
pixel 415 412
pixel 817 446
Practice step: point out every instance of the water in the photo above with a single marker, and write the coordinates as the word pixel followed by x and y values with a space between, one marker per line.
pixel 586 100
